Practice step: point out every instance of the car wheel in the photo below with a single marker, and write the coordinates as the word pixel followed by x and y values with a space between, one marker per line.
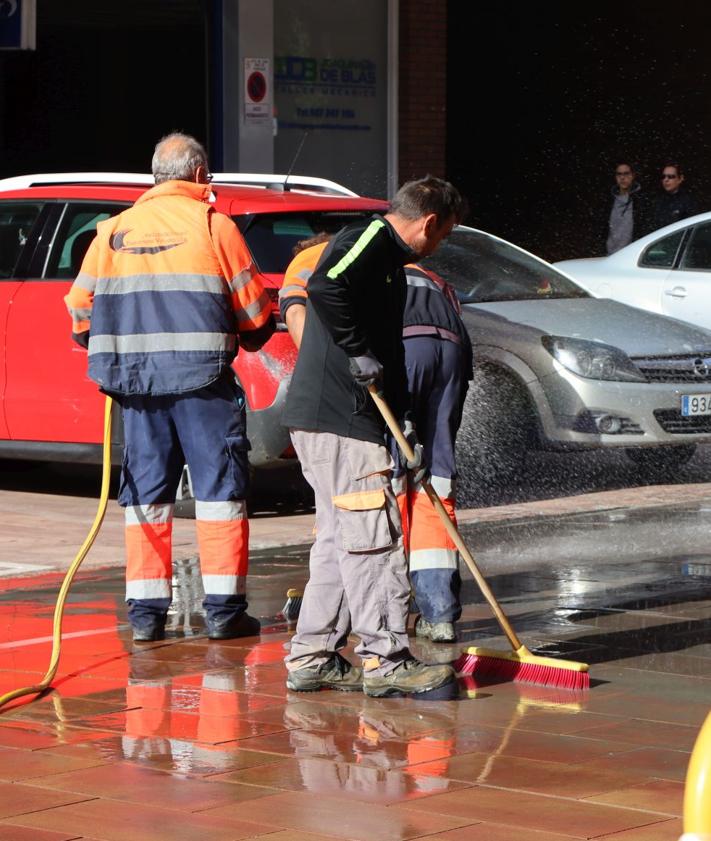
pixel 495 432
pixel 661 460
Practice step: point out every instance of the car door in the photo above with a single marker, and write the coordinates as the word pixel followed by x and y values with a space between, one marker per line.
pixel 687 289
pixel 642 284
pixel 48 396
pixel 20 223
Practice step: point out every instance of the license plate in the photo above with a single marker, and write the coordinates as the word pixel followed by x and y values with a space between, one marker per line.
pixel 695 404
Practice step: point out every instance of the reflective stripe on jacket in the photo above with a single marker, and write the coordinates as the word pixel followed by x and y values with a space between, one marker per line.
pixel 164 290
pixel 432 308
pixel 431 301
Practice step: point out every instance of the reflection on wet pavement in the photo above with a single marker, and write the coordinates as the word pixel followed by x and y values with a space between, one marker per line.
pixel 189 738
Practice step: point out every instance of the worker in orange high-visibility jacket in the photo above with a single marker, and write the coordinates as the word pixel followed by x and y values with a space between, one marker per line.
pixel 307 254
pixel 166 295
pixel 438 359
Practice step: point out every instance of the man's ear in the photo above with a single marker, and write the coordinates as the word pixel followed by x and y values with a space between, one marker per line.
pixel 431 223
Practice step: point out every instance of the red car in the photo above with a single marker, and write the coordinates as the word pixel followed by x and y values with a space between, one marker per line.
pixel 49 409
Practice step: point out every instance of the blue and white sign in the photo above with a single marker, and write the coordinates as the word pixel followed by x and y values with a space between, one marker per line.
pixel 18 24
pixel 331 90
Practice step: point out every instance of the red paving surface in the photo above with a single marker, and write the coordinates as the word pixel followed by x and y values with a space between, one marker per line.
pixel 191 739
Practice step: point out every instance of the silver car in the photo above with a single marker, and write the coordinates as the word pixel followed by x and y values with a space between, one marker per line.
pixel 558 369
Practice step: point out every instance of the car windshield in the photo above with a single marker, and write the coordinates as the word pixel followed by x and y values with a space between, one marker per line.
pixel 271 237
pixel 482 268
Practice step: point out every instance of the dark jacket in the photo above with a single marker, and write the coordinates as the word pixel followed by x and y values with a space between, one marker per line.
pixel 356 299
pixel 639 205
pixel 671 207
pixel 432 307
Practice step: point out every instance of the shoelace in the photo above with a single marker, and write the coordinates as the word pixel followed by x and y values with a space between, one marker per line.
pixel 341 665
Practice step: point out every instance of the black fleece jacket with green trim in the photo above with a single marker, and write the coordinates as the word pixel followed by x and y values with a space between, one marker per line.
pixel 356 301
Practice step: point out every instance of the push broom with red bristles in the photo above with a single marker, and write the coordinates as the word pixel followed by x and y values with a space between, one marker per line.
pixel 519 664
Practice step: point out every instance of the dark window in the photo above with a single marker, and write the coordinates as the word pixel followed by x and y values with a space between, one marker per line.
pixel 16 224
pixel 662 253
pixel 697 254
pixel 271 237
pixel 76 232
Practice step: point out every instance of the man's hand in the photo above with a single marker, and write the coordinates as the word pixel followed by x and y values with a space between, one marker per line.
pixel 418 468
pixel 365 369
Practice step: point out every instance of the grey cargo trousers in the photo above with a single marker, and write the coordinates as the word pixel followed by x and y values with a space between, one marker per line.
pixel 357 567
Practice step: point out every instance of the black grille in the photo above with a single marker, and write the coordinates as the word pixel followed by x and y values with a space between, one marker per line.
pixel 676 369
pixel 668 375
pixel 673 422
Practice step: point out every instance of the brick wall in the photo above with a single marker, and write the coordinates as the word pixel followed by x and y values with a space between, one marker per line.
pixel 422 83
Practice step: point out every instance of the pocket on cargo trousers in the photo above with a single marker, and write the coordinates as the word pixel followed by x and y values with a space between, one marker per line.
pixel 363 520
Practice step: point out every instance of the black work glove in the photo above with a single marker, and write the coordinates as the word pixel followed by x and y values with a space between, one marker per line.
pixel 417 467
pixel 365 369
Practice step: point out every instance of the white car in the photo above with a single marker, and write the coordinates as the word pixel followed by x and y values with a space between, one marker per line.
pixel 666 272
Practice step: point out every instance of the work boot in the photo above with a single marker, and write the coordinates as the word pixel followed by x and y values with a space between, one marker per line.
pixel 336 673
pixel 149 632
pixel 243 625
pixel 435 631
pixel 408 678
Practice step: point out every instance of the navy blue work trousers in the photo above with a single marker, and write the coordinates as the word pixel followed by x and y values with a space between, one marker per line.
pixel 205 429
pixel 437 385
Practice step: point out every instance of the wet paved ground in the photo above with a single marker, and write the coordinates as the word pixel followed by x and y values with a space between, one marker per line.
pixel 192 739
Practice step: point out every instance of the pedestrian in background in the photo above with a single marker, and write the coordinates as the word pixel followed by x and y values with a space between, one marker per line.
pixel 353 337
pixel 166 295
pixel 628 211
pixel 675 202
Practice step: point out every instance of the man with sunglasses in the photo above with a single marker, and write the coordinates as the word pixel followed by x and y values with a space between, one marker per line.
pixel 627 214
pixel 674 202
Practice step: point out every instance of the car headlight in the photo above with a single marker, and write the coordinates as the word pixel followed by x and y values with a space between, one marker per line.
pixel 593 360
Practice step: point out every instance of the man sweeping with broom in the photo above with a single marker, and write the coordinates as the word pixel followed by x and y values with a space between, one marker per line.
pixel 352 339
pixel 438 360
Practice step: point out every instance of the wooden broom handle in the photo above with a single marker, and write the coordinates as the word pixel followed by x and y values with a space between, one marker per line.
pixel 452 531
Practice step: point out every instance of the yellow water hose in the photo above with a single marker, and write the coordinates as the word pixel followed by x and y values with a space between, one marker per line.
pixel 71 572
pixel 697 791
